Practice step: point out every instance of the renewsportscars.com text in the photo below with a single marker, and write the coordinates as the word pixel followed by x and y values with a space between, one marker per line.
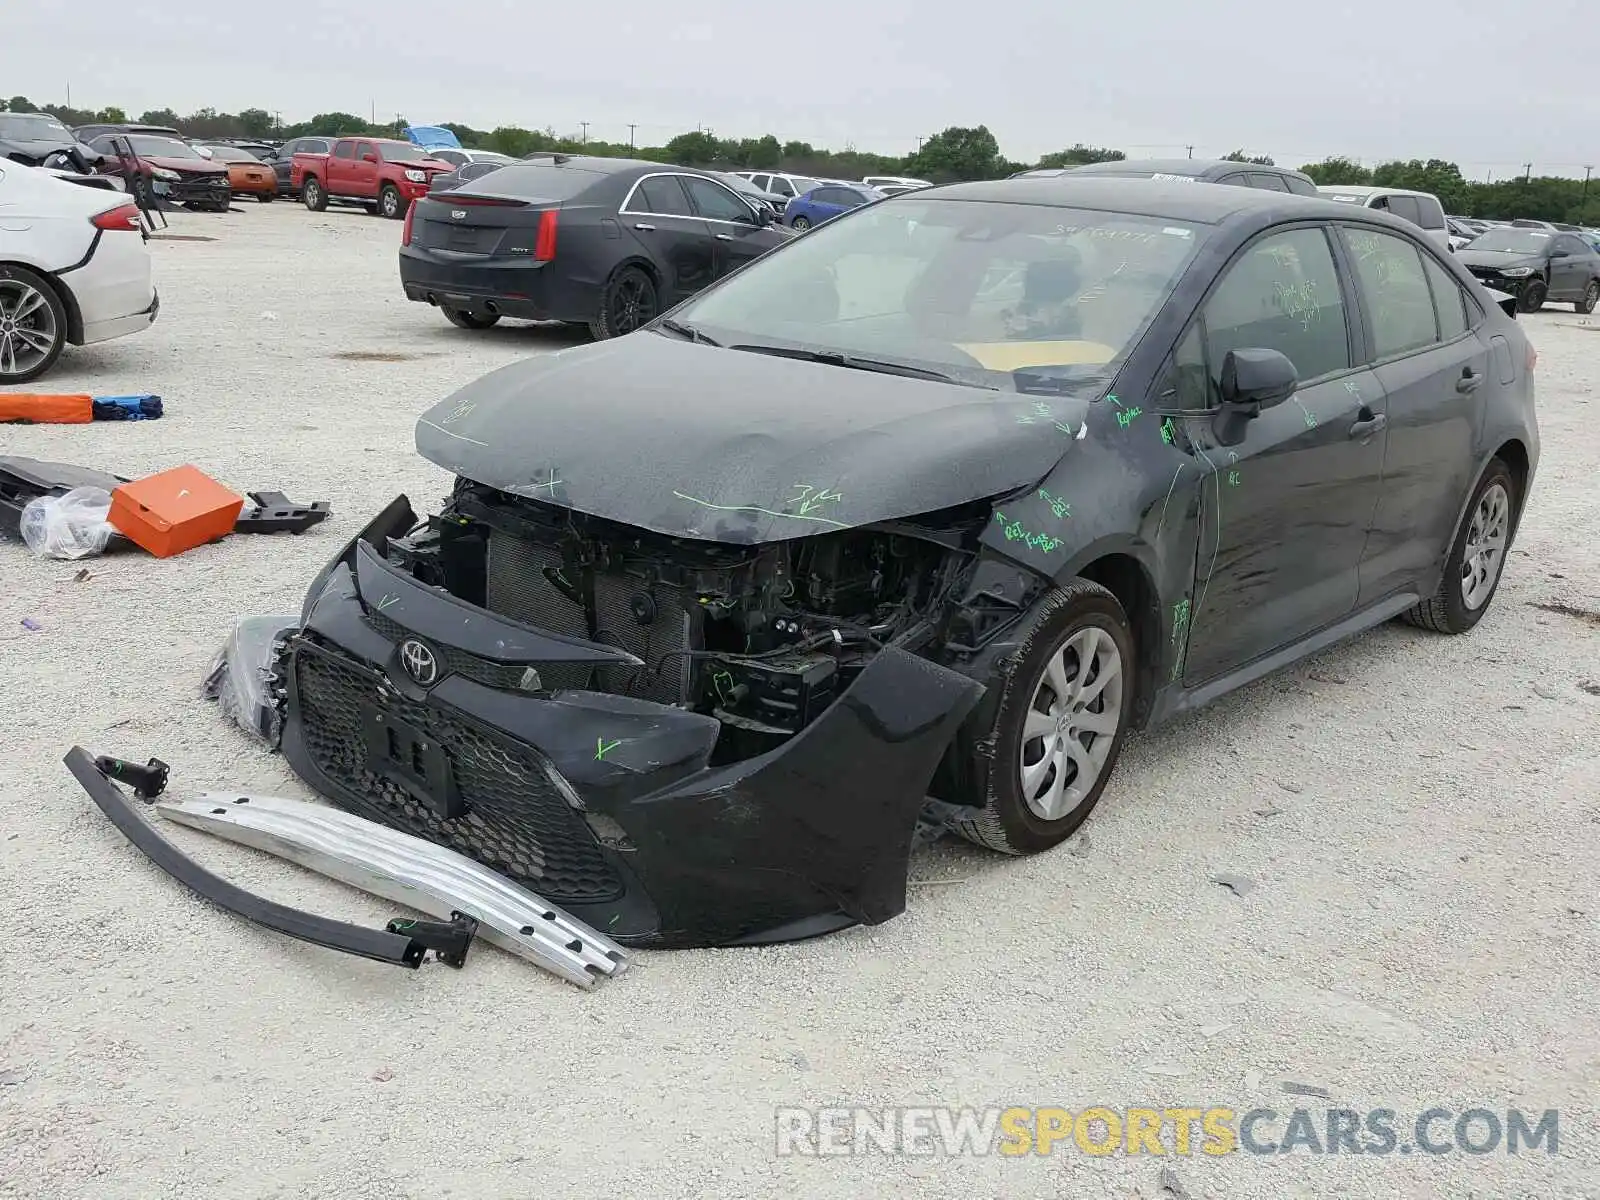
pixel 1177 1131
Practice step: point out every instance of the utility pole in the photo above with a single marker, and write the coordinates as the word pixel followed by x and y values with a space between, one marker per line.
pixel 1190 149
pixel 69 93
pixel 1587 171
pixel 919 145
pixel 277 120
pixel 1527 172
pixel 373 120
pixel 631 128
pixel 585 125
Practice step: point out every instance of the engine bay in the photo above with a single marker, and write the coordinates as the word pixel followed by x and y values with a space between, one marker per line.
pixel 762 637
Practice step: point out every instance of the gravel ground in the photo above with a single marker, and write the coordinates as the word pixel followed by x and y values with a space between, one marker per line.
pixel 1418 815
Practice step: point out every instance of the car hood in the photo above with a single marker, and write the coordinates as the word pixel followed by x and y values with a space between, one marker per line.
pixel 725 445
pixel 39 147
pixel 1497 259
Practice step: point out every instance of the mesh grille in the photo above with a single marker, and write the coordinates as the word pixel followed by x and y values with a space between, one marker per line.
pixel 458 662
pixel 516 822
pixel 519 588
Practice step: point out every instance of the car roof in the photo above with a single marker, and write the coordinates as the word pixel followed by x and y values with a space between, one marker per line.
pixel 1368 190
pixel 1196 167
pixel 1145 198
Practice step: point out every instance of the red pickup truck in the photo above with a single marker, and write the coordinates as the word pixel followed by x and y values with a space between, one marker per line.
pixel 385 176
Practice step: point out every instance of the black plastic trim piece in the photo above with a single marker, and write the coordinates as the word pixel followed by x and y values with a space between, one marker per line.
pixel 94 244
pixel 377 944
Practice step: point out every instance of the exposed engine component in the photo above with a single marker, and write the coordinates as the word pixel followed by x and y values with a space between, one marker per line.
pixel 762 637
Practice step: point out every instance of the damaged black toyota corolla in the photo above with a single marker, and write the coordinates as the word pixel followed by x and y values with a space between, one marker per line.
pixel 914 518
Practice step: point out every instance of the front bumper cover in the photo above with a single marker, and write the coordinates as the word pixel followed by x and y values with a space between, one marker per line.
pixel 606 804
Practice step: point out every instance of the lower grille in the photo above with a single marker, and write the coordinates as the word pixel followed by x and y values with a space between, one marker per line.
pixel 520 586
pixel 516 821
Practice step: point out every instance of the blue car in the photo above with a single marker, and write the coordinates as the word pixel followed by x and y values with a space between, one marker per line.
pixel 827 200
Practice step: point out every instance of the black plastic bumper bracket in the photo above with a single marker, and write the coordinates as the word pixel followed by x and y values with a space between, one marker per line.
pixel 402 944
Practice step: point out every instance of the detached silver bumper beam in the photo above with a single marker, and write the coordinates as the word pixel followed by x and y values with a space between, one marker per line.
pixel 409 871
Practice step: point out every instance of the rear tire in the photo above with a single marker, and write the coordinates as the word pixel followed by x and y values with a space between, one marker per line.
pixel 33 325
pixel 265 197
pixel 800 223
pixel 1591 297
pixel 312 195
pixel 1476 562
pixel 1532 297
pixel 462 319
pixel 628 301
pixel 390 203
pixel 1035 772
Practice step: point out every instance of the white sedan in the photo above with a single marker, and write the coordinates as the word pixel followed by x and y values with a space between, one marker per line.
pixel 73 268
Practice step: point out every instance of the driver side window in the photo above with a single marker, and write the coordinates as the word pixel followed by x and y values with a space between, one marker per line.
pixel 1281 294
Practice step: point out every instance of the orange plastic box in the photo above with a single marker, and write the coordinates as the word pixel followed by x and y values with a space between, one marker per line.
pixel 174 511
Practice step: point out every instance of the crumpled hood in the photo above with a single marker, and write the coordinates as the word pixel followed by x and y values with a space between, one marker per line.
pixel 184 166
pixel 725 445
pixel 40 147
pixel 1497 259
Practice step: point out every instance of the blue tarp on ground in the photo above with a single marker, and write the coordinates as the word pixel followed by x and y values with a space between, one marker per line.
pixel 432 137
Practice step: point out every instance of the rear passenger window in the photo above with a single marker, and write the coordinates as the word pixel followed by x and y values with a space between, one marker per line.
pixel 1389 274
pixel 344 150
pixel 661 194
pixel 1432 212
pixel 1449 301
pixel 1282 294
pixel 1267 183
pixel 1406 208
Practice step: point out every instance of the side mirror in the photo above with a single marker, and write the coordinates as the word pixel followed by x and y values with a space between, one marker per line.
pixel 370 157
pixel 1253 380
pixel 1560 253
pixel 764 215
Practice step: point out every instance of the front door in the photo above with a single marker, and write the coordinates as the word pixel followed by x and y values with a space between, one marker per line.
pixel 736 232
pixel 1569 273
pixel 1285 510
pixel 658 216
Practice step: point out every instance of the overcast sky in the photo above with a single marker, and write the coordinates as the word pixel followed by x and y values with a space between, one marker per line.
pixel 1470 80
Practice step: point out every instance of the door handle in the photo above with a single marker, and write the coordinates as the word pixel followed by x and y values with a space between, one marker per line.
pixel 724 237
pixel 1469 380
pixel 645 227
pixel 1365 429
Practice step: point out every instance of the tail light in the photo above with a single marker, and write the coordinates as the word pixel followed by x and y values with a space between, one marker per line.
pixel 405 230
pixel 544 246
pixel 124 218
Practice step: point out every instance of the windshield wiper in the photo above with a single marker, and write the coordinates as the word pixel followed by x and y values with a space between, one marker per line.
pixel 688 331
pixel 834 358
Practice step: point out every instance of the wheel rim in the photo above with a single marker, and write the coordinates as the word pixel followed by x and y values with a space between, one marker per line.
pixel 28 328
pixel 1485 550
pixel 633 304
pixel 389 203
pixel 1071 723
pixel 1591 297
pixel 801 223
pixel 1535 294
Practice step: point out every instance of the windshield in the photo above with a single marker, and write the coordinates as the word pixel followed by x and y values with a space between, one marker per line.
pixel 1512 241
pixel 975 291
pixel 400 152
pixel 160 147
pixel 32 126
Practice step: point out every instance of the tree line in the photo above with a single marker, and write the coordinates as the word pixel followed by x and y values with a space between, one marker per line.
pixel 958 153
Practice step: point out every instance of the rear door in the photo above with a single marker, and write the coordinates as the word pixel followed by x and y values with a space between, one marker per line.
pixel 736 231
pixel 1569 273
pixel 1285 511
pixel 1433 365
pixel 665 227
pixel 364 170
pixel 341 172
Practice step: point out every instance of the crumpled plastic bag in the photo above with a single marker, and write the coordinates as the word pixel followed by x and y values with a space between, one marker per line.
pixel 73 525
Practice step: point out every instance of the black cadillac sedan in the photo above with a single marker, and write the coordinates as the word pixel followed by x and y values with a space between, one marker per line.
pixel 605 242
pixel 940 500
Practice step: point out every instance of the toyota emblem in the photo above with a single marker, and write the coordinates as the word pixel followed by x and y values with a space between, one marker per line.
pixel 419 662
pixel 459 214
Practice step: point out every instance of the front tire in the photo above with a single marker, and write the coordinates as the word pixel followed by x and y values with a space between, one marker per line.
pixel 1532 298
pixel 33 325
pixel 265 197
pixel 1591 297
pixel 1473 568
pixel 390 203
pixel 462 319
pixel 1068 694
pixel 800 223
pixel 628 301
pixel 312 195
